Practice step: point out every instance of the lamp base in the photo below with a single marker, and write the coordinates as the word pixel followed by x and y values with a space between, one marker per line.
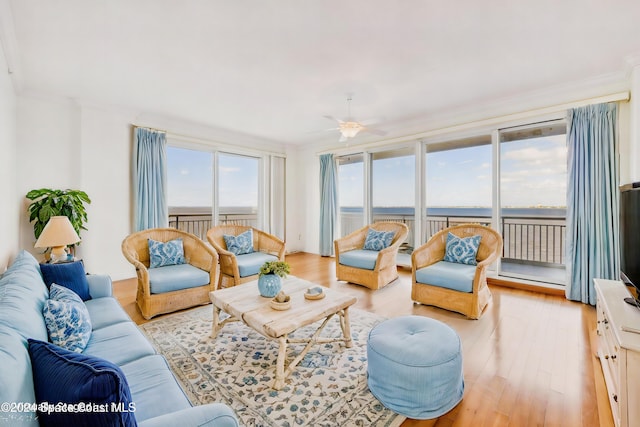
pixel 58 253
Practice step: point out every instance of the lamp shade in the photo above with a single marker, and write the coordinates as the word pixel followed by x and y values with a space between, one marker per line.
pixel 57 234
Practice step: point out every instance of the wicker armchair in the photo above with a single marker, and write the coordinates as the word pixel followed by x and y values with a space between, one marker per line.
pixel 471 304
pixel 266 246
pixel 385 270
pixel 197 253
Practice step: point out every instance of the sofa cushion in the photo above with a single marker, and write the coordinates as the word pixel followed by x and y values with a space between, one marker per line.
pixel 105 312
pixel 176 277
pixel 458 277
pixel 119 343
pixel 165 253
pixel 378 240
pixel 240 244
pixel 67 319
pixel 462 250
pixel 208 415
pixel 22 297
pixel 16 378
pixel 64 376
pixel 68 274
pixel 153 387
pixel 359 258
pixel 249 264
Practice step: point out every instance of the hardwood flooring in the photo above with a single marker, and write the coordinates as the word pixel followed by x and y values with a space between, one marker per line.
pixel 529 361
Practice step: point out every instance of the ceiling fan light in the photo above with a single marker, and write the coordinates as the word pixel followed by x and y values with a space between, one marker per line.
pixel 350 129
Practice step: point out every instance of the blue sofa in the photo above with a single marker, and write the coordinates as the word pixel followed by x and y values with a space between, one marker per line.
pixel 158 398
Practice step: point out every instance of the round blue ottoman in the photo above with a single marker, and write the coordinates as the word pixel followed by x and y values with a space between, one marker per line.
pixel 415 366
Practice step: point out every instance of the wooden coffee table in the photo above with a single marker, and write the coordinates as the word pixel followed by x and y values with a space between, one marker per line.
pixel 244 303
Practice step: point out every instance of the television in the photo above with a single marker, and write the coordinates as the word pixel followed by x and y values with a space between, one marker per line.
pixel 630 238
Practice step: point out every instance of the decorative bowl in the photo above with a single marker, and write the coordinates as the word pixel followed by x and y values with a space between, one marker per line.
pixel 280 305
pixel 314 293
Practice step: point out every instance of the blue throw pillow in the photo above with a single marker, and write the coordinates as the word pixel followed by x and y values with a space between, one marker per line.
pixel 240 244
pixel 68 274
pixel 67 319
pixel 378 240
pixel 169 253
pixel 462 250
pixel 62 376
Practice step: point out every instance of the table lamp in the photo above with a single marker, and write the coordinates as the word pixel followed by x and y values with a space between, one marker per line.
pixel 57 234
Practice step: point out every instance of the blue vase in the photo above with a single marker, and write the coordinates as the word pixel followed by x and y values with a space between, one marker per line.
pixel 269 285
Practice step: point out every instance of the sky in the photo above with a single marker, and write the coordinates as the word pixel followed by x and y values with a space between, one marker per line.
pixel 190 177
pixel 533 173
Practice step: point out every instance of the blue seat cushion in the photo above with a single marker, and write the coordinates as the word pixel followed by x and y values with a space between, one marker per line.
pixel 153 387
pixel 120 343
pixel 175 277
pixel 450 275
pixel 359 258
pixel 105 312
pixel 249 264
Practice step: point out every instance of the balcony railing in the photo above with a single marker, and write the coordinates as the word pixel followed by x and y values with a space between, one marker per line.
pixel 536 240
pixel 199 224
pixel 527 239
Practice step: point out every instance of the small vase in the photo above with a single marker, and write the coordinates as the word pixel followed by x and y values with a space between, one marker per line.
pixel 269 285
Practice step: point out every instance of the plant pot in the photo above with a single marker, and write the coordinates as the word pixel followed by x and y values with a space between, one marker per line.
pixel 269 285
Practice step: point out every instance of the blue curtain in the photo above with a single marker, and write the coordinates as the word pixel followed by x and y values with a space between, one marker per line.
pixel 150 179
pixel 328 204
pixel 592 200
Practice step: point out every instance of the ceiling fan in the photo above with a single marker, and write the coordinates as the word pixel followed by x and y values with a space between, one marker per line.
pixel 349 128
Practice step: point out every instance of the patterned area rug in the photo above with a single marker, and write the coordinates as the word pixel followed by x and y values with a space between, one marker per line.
pixel 327 388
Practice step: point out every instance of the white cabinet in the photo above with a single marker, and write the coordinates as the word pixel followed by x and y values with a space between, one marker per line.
pixel 619 350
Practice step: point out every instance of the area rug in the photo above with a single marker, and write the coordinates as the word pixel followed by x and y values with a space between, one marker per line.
pixel 327 388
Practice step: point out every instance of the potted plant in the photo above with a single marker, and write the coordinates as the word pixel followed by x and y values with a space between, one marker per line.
pixel 270 279
pixel 47 202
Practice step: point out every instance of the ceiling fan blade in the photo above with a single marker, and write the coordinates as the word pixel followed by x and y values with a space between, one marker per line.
pixel 342 138
pixel 332 118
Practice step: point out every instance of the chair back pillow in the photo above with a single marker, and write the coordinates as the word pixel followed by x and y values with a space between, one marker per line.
pixel 462 250
pixel 378 240
pixel 169 253
pixel 240 244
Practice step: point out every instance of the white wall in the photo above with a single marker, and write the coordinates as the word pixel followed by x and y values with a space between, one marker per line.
pixel 9 205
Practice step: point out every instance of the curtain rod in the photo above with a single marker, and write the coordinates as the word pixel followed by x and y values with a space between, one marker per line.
pixel 615 97
pixel 150 128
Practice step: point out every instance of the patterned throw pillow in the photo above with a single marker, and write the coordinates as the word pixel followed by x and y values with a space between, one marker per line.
pixel 378 240
pixel 169 253
pixel 67 319
pixel 240 244
pixel 462 250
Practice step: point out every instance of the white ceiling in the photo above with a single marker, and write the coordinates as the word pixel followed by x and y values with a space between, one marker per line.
pixel 273 68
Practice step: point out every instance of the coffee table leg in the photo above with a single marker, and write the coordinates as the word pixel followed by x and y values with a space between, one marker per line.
pixel 346 327
pixel 282 353
pixel 215 328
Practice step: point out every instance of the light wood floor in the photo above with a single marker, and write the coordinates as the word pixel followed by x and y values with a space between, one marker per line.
pixel 528 361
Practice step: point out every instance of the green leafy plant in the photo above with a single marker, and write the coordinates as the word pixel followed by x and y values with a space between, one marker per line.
pixel 47 203
pixel 279 268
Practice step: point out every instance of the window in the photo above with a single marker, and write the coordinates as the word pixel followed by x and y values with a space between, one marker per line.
pixel 351 193
pixel 190 190
pixel 238 190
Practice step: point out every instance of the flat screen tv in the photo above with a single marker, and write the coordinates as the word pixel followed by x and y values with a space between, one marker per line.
pixel 630 238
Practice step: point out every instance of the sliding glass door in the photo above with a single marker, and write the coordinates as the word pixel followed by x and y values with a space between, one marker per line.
pixel 238 190
pixel 533 185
